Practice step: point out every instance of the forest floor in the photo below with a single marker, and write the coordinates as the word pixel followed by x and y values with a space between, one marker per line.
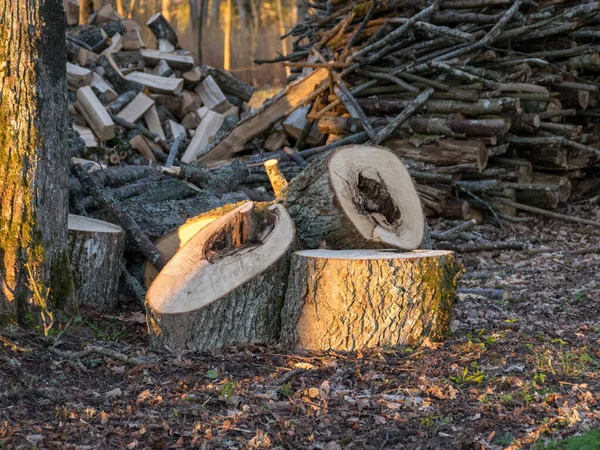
pixel 514 374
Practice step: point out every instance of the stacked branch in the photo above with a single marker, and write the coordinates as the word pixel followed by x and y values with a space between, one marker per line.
pixel 482 101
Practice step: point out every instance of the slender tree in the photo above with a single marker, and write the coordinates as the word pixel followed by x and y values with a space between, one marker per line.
pixel 227 39
pixel 35 274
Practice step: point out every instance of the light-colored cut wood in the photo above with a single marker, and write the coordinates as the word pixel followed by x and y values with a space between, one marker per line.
pixel 211 95
pixel 157 84
pixel 131 25
pixel 116 43
pixel 94 114
pixel 84 56
pixel 136 108
pixel 276 140
pixel 153 122
pixel 90 166
pixel 295 123
pixel 202 111
pixel 141 145
pixel 279 107
pixel 96 250
pixel 191 120
pixel 190 101
pixel 176 129
pixel 165 46
pixel 170 244
pixel 352 300
pixel 78 76
pixel 180 62
pixel 71 11
pixel 204 135
pixel 87 135
pixel 106 14
pixel 103 86
pixel 162 69
pixel 207 298
pixel 233 112
pixel 132 40
pixel 192 77
pixel 358 196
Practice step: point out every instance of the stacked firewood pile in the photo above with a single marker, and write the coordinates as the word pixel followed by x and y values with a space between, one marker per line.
pixel 207 193
pixel 491 104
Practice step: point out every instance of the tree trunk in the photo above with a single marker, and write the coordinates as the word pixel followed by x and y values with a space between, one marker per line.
pixel 227 32
pixel 35 271
pixel 355 299
pixel 301 11
pixel 214 13
pixel 226 285
pixel 358 196
pixel 282 32
pixel 96 251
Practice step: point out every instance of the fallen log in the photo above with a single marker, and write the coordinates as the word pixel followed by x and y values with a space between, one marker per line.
pixel 444 152
pixel 226 285
pixel 355 299
pixel 356 197
pixel 96 249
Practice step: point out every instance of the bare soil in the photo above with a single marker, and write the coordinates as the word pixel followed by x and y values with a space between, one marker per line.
pixel 514 372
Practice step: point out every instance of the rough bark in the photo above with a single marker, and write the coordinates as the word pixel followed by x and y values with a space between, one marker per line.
pixel 96 250
pixel 35 273
pixel 199 306
pixel 320 216
pixel 356 299
pixel 444 152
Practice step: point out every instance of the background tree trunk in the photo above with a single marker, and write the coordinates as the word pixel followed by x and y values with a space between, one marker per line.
pixel 302 10
pixel 35 273
pixel 227 31
pixel 214 12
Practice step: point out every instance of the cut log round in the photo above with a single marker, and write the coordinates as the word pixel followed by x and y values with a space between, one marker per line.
pixel 354 299
pixel 358 196
pixel 226 285
pixel 170 244
pixel 96 251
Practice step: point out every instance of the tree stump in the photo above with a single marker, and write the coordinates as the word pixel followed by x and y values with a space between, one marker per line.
pixel 96 252
pixel 358 196
pixel 355 299
pixel 226 285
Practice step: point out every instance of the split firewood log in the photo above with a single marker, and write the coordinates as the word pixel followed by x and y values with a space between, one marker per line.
pixel 96 252
pixel 354 299
pixel 170 244
pixel 358 196
pixel 226 285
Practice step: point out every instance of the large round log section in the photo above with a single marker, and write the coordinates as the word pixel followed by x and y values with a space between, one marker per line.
pixel 355 299
pixel 170 244
pixel 358 196
pixel 226 285
pixel 96 252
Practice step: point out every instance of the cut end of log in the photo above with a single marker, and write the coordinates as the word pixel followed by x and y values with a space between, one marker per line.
pixel 377 195
pixel 87 224
pixel 226 285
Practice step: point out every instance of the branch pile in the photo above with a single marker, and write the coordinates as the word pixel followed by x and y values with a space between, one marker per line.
pixel 491 104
